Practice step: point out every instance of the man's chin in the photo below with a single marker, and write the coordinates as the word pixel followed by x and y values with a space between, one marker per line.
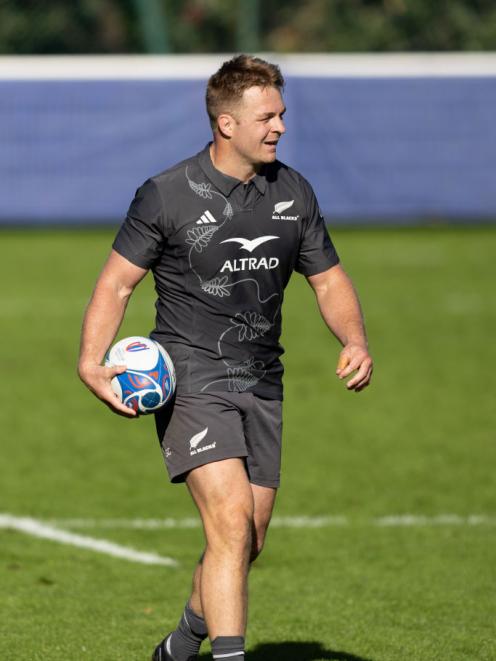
pixel 269 158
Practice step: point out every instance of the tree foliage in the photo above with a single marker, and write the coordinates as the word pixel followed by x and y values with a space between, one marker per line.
pixel 194 26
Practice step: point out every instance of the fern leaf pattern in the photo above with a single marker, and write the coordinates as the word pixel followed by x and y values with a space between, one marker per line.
pixel 216 286
pixel 203 189
pixel 243 377
pixel 240 379
pixel 250 325
pixel 199 237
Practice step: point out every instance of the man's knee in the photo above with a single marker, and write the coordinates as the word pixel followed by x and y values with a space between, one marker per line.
pixel 230 527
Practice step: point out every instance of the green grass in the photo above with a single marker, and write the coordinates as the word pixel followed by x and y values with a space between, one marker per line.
pixel 420 441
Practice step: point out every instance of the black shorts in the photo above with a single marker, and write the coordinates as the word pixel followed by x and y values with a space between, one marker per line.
pixel 201 428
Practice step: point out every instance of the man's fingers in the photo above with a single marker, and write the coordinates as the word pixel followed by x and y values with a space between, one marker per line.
pixel 110 398
pixel 114 403
pixel 352 366
pixel 362 377
pixel 118 407
pixel 355 358
pixel 113 370
pixel 342 362
pixel 98 379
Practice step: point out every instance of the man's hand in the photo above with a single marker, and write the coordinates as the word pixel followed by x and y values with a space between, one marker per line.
pixel 355 358
pixel 97 378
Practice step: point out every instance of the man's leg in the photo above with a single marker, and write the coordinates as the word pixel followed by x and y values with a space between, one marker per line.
pixel 224 498
pixel 263 500
pixel 192 629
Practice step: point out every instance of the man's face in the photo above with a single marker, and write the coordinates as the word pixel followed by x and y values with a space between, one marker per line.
pixel 258 125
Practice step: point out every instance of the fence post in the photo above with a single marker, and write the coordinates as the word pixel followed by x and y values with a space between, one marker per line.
pixel 153 20
pixel 248 26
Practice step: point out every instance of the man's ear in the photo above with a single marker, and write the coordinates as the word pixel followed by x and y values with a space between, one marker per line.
pixel 225 124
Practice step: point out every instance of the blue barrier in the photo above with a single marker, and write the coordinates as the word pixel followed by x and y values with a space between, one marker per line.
pixel 373 148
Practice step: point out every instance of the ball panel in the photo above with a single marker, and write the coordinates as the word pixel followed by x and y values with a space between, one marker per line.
pixel 116 387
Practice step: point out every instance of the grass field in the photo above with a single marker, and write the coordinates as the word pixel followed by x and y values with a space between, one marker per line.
pixel 354 587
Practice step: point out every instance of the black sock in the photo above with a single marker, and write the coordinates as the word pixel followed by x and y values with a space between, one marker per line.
pixel 231 648
pixel 185 641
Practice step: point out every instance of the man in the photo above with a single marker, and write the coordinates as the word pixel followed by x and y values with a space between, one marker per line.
pixel 222 232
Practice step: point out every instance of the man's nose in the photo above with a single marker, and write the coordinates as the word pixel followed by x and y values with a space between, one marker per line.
pixel 278 125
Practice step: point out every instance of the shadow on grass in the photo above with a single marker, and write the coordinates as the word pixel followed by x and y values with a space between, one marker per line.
pixel 296 651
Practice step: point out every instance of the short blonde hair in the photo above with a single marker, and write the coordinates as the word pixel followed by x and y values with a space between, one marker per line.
pixel 225 88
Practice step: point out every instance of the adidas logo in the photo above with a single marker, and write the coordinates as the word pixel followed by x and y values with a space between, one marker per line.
pixel 206 218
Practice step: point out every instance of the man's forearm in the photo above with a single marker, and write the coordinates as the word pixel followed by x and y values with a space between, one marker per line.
pixel 102 320
pixel 103 317
pixel 340 308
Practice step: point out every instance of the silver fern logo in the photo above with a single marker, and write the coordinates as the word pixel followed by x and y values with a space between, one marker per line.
pixel 195 440
pixel 280 208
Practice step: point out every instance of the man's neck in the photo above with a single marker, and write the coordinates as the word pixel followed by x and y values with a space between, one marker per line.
pixel 230 164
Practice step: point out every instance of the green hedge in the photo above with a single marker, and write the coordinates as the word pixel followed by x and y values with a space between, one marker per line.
pixel 193 26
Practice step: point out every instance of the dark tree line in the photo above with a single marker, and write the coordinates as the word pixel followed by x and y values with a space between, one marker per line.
pixel 195 26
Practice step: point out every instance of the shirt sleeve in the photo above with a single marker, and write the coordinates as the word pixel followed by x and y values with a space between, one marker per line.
pixel 142 235
pixel 317 252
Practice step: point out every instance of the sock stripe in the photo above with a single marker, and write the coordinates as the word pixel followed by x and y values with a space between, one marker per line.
pixel 224 656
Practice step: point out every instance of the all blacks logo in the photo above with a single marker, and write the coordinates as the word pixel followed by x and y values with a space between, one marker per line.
pixel 250 263
pixel 280 208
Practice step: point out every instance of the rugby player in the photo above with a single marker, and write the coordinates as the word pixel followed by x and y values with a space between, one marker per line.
pixel 222 232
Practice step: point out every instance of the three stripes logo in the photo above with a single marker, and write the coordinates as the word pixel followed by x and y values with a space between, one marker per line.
pixel 206 218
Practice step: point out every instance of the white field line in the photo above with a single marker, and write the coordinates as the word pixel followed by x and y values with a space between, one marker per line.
pixel 45 531
pixel 439 520
pixel 200 67
pixel 393 521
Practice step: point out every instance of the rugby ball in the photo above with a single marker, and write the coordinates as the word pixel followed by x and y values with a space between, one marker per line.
pixel 149 380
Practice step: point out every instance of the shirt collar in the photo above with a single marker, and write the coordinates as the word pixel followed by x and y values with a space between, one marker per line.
pixel 224 182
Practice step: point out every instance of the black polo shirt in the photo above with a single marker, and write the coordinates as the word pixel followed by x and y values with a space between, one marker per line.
pixel 222 252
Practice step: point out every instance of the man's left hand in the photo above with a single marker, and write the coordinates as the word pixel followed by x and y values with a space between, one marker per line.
pixel 355 358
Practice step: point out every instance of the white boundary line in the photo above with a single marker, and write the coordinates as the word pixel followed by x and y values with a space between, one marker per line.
pixel 393 521
pixel 38 529
pixel 200 67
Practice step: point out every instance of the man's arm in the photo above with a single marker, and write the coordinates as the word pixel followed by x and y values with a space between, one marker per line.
pixel 102 319
pixel 339 306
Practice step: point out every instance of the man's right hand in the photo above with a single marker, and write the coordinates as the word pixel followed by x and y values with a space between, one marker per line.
pixel 97 378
